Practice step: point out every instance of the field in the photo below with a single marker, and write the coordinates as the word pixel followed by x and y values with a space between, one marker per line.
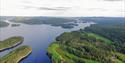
pixel 98 37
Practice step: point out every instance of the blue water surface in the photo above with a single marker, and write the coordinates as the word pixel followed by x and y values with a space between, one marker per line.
pixel 38 37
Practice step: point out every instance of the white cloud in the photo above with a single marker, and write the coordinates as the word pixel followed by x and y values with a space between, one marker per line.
pixel 62 8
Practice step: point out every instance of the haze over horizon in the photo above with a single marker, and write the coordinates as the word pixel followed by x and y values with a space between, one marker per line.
pixel 110 8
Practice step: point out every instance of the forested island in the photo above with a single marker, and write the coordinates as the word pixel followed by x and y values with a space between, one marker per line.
pixel 15 25
pixel 3 24
pixel 64 22
pixel 53 21
pixel 103 42
pixel 16 55
pixel 10 42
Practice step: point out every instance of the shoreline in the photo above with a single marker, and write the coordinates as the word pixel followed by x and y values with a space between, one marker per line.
pixel 30 52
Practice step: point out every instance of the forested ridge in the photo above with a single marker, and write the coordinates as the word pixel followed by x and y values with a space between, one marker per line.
pixel 84 47
pixel 113 30
pixel 103 42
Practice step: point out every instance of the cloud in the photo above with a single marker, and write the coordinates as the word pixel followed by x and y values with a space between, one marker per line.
pixel 27 2
pixel 95 9
pixel 47 8
pixel 113 0
pixel 62 7
pixel 54 8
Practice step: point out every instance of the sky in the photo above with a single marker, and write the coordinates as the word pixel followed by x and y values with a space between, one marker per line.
pixel 108 8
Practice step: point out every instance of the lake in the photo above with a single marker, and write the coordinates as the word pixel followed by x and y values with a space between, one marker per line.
pixel 38 37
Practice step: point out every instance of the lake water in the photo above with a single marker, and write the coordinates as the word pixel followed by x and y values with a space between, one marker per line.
pixel 38 37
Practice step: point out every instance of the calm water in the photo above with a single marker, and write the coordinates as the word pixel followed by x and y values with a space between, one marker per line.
pixel 38 37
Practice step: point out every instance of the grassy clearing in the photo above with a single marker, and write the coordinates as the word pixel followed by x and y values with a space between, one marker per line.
pixel 16 55
pixel 53 53
pixel 120 57
pixel 98 37
pixel 10 42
